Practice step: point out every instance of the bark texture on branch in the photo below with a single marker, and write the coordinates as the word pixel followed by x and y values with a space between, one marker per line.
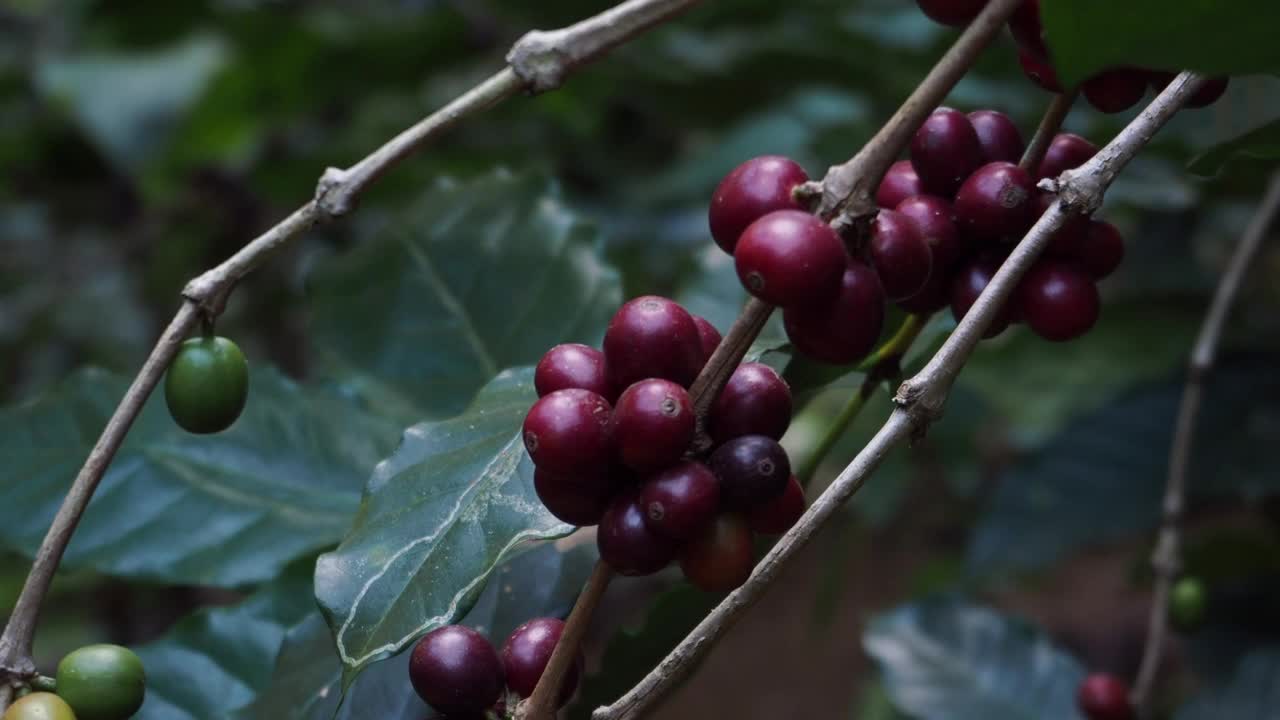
pixel 919 399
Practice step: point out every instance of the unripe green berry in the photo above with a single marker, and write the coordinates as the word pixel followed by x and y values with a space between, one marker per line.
pixel 102 682
pixel 1188 602
pixel 207 384
pixel 39 706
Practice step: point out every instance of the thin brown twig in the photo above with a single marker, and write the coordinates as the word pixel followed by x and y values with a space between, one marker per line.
pixel 1165 559
pixel 538 62
pixel 544 700
pixel 919 400
pixel 1048 128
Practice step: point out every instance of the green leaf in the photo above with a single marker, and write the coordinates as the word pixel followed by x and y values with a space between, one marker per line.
pixel 453 501
pixel 1233 38
pixel 1252 694
pixel 475 277
pixel 130 105
pixel 1102 477
pixel 219 659
pixel 226 509
pixel 307 681
pixel 1262 144
pixel 633 652
pixel 946 660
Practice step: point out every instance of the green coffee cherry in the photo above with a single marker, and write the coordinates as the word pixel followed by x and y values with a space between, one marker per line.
pixel 207 384
pixel 102 682
pixel 39 706
pixel 1188 602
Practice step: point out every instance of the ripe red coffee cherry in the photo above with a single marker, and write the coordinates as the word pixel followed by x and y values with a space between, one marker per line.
pixel 1104 697
pixel 679 501
pixel 845 329
pixel 752 469
pixel 721 558
pixel 708 335
pixel 1058 300
pixel 945 150
pixel 900 183
pixel 1027 30
pixel 567 433
pixel 996 202
pixel 455 670
pixel 527 652
pixel 577 501
pixel 779 514
pixel 790 258
pixel 998 136
pixel 936 221
pixel 969 283
pixel 653 424
pixel 625 540
pixel 956 13
pixel 1101 250
pixel 1039 71
pixel 935 295
pixel 752 190
pixel 1116 90
pixel 899 254
pixel 1066 152
pixel 652 337
pixel 755 401
pixel 572 365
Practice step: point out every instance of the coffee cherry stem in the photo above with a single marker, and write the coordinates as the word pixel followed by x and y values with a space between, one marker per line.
pixel 728 355
pixel 1165 559
pixel 1050 123
pixel 884 364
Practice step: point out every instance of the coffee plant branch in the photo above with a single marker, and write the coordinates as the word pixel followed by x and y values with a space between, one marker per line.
pixel 538 62
pixel 1165 559
pixel 919 399
pixel 887 144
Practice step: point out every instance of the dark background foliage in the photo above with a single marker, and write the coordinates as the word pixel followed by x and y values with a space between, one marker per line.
pixel 143 142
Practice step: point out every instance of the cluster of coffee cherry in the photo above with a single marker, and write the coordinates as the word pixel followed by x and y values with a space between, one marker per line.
pixel 456 671
pixel 95 682
pixel 1111 91
pixel 948 217
pixel 612 439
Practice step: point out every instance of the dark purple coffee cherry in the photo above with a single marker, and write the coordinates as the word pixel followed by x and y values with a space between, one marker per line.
pixel 1039 71
pixel 708 335
pixel 625 540
pixel 652 337
pixel 781 513
pixel 996 202
pixel 936 221
pixel 899 254
pixel 900 183
pixel 681 500
pixel 1104 697
pixel 998 136
pixel 527 652
pixel 956 13
pixel 755 401
pixel 1207 95
pixel 790 258
pixel 845 329
pixel 653 424
pixel 1115 91
pixel 1101 250
pixel 935 295
pixel 969 283
pixel 569 366
pixel 576 500
pixel 455 670
pixel 1058 301
pixel 1066 152
pixel 1027 30
pixel 721 558
pixel 945 151
pixel 568 433
pixel 752 190
pixel 752 469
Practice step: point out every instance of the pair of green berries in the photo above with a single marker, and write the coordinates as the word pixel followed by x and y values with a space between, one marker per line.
pixel 207 384
pixel 96 682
